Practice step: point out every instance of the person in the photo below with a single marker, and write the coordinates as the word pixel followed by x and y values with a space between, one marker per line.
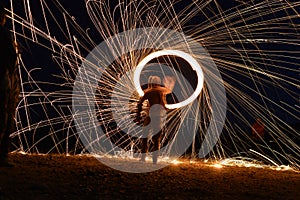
pixel 156 111
pixel 258 130
pixel 9 88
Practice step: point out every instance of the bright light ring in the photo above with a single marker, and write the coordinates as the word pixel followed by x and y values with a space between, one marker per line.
pixel 193 63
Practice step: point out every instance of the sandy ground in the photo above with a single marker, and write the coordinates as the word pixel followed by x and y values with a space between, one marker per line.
pixel 81 177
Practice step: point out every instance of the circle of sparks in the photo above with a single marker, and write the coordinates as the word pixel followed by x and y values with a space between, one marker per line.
pixel 193 63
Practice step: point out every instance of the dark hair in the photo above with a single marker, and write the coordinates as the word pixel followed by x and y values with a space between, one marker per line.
pixel 2 10
pixel 2 15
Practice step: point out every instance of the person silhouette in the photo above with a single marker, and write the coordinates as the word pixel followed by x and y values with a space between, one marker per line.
pixel 9 87
pixel 258 130
pixel 156 112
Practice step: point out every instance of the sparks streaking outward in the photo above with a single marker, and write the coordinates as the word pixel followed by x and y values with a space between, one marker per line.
pixel 254 45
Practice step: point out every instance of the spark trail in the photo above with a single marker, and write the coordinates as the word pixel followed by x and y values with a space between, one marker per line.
pixel 255 46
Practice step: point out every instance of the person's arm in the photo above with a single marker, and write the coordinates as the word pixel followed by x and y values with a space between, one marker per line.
pixel 169 82
pixel 167 91
pixel 140 107
pixel 8 50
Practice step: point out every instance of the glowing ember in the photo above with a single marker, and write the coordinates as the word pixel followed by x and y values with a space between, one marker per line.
pixel 218 166
pixel 176 162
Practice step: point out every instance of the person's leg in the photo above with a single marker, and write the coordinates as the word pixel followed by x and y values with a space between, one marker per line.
pixel 3 124
pixel 145 140
pixel 10 127
pixel 156 146
pixel 144 149
pixel 4 146
pixel 156 139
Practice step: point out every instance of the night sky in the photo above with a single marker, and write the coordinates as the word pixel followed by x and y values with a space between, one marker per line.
pixel 36 56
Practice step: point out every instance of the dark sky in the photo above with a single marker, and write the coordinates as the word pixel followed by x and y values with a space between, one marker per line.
pixel 35 55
